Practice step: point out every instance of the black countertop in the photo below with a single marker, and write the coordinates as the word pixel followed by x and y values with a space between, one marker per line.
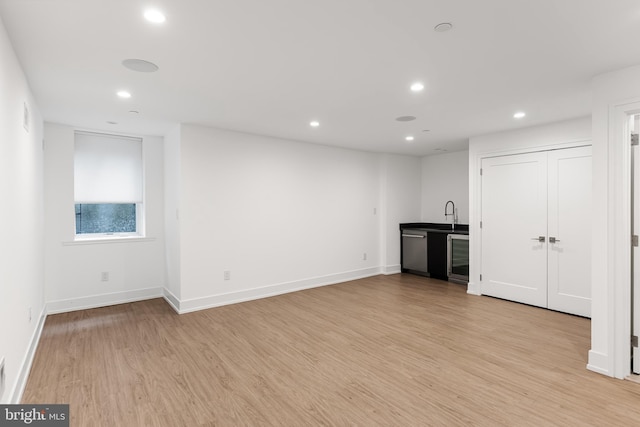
pixel 434 227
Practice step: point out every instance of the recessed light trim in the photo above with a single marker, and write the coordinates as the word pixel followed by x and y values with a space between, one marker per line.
pixel 155 16
pixel 124 94
pixel 417 87
pixel 314 123
pixel 405 118
pixel 519 115
pixel 140 65
pixel 443 27
pixel 409 138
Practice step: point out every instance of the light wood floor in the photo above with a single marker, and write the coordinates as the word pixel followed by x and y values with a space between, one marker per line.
pixel 398 350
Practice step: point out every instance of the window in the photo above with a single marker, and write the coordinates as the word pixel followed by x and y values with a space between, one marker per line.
pixel 106 218
pixel 107 185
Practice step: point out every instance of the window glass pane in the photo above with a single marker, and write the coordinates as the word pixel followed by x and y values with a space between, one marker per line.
pixel 105 218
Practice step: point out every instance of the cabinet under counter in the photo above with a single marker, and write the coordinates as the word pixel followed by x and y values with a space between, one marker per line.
pixel 423 248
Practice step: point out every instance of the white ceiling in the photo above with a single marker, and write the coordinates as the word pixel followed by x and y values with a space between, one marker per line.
pixel 271 66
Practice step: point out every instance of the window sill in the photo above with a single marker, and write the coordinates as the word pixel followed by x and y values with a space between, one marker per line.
pixel 108 239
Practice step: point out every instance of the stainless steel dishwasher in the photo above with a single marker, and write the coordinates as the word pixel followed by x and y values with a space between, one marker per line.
pixel 414 250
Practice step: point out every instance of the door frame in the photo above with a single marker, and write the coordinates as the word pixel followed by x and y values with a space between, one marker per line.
pixel 619 257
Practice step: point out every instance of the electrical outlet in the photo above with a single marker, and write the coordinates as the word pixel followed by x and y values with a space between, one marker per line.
pixel 2 378
pixel 104 276
pixel 227 275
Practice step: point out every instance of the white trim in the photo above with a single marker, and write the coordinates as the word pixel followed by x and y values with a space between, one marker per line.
pixel 473 288
pixel 391 269
pixel 102 300
pixel 534 149
pixel 108 135
pixel 619 236
pixel 108 239
pixel 172 300
pixel 597 363
pixel 195 304
pixel 25 367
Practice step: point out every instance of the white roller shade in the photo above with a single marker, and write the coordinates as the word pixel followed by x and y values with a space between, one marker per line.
pixel 107 169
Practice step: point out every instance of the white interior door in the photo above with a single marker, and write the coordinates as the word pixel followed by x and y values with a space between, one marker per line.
pixel 569 216
pixel 514 216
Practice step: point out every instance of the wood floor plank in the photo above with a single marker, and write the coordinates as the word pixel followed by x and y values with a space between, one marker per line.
pixel 387 350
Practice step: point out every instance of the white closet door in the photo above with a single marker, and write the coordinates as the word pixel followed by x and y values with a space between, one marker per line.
pixel 514 215
pixel 570 225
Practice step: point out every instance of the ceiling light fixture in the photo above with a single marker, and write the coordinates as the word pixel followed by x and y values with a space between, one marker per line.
pixel 444 26
pixel 417 87
pixel 124 94
pixel 140 65
pixel 409 138
pixel 155 16
pixel 314 124
pixel 519 115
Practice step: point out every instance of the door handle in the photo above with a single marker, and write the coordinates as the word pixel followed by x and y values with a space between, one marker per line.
pixel 415 236
pixel 553 240
pixel 539 239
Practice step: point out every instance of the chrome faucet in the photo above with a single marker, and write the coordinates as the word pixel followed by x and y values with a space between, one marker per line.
pixel 452 214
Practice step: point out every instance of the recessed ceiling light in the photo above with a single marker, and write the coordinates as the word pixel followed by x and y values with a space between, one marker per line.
pixel 519 115
pixel 124 94
pixel 405 118
pixel 314 124
pixel 140 65
pixel 155 16
pixel 417 87
pixel 442 27
pixel 409 138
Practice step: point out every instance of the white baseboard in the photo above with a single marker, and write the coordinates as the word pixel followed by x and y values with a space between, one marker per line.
pixel 391 269
pixel 172 300
pixel 103 300
pixel 473 289
pixel 25 368
pixel 598 362
pixel 195 304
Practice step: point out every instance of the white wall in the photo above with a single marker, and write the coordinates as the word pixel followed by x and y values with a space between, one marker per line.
pixel 172 212
pixel 445 177
pixel 400 202
pixel 21 223
pixel 72 270
pixel 534 138
pixel 279 215
pixel 613 94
